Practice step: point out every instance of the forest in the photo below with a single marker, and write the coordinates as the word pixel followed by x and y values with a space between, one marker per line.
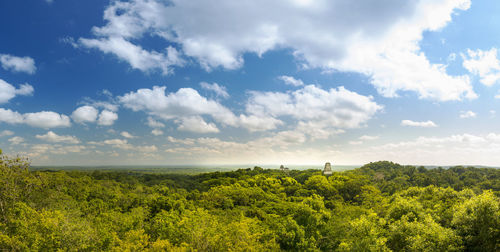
pixel 381 206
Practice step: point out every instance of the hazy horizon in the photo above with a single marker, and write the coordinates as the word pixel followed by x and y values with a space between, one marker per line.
pixel 243 166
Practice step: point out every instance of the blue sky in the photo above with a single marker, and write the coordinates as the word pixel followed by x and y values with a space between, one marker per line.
pixel 158 82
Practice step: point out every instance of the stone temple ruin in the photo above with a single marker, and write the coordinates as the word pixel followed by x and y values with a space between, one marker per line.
pixel 328 169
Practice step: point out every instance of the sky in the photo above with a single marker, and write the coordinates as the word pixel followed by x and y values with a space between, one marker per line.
pixel 294 82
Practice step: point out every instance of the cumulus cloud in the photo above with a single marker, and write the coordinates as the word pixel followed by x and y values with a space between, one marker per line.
pixel 424 124
pixel 196 124
pixel 485 64
pixel 16 140
pixel 339 108
pixel 90 114
pixel 107 118
pixel 125 145
pixel 43 119
pixel 54 138
pixel 17 64
pixel 467 114
pixel 9 116
pixel 255 123
pixel 289 80
pixel 8 91
pixel 85 114
pixel 216 88
pixel 126 135
pixel 378 39
pixel 6 133
pixel 136 56
pixel 318 129
pixel 185 141
pixel 185 103
pixel 46 119
pixel 330 109
pixel 111 106
pixel 157 132
pixel 41 150
pixel 154 123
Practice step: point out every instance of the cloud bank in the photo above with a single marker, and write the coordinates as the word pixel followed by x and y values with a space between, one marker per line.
pixel 378 39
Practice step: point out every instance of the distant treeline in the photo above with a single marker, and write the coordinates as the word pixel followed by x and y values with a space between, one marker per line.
pixel 381 206
pixel 141 169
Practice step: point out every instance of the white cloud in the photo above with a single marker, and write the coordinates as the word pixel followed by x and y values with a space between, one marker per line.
pixel 339 108
pixel 216 88
pixel 40 151
pixel 467 114
pixel 43 119
pixel 284 139
pixel 460 149
pixel 46 119
pixel 379 39
pixel 118 142
pixel 85 114
pixel 9 116
pixel 16 140
pixel 90 114
pixel 6 133
pixel 284 146
pixel 111 106
pixel 185 141
pixel 255 123
pixel 147 148
pixel 196 124
pixel 126 135
pixel 355 142
pixel 186 102
pixel 8 91
pixel 125 145
pixel 54 138
pixel 289 80
pixel 157 132
pixel 426 124
pixel 136 56
pixel 18 64
pixel 107 118
pixel 318 129
pixel 368 138
pixel 485 64
pixel 154 123
pixel 25 89
pixel 331 109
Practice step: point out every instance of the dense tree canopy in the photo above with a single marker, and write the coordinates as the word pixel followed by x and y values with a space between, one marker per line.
pixel 381 206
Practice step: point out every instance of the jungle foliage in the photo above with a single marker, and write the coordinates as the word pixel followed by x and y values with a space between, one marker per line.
pixel 381 206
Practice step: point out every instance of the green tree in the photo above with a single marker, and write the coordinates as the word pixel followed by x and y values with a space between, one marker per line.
pixel 478 221
pixel 408 234
pixel 365 234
